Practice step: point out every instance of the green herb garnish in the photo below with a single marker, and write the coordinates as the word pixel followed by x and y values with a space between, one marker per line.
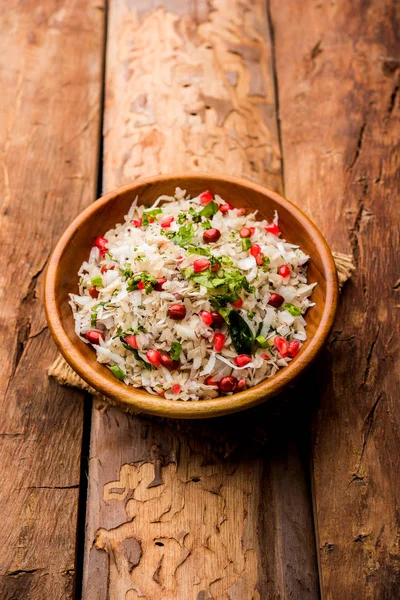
pixel 184 235
pixel 246 244
pixel 154 212
pixel 206 225
pixel 140 359
pixel 96 281
pixel 181 218
pixel 241 335
pixel 209 210
pixel 198 250
pixel 261 341
pixel 175 351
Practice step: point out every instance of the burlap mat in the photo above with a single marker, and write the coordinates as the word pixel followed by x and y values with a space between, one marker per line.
pixel 65 375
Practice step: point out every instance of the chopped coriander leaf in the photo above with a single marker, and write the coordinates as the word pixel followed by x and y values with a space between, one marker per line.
pixel 250 314
pixel 175 351
pixel 196 217
pixel 198 250
pixel 246 244
pixel 184 235
pixel 148 280
pixel 117 372
pixel 219 301
pixel 209 210
pixel 181 218
pixel 127 271
pixel 140 257
pixel 96 281
pixel 206 225
pixel 294 310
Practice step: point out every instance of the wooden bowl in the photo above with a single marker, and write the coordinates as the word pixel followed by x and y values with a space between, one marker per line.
pixel 74 246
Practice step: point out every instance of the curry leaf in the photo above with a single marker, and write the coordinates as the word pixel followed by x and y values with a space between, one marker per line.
pixel 241 335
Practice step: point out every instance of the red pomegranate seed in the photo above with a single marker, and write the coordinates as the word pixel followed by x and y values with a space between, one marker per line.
pixel 276 300
pixel 282 345
pixel 242 360
pixel 105 268
pixel 131 341
pixel 101 243
pixel 284 271
pixel 179 259
pixel 217 319
pixel 272 228
pixel 238 303
pixel 166 222
pixel 201 264
pixel 159 285
pixel 141 285
pixel 265 356
pixel 93 292
pixel 210 381
pixel 216 267
pixel 206 197
pixel 219 341
pixel 252 230
pixel 177 312
pixel 169 363
pixel 241 211
pixel 211 235
pixel 255 250
pixel 176 388
pixel 207 317
pixel 224 208
pixel 160 392
pixel 294 347
pixel 153 356
pixel 260 259
pixel 241 384
pixel 245 232
pixel 94 336
pixel 228 384
pixel 137 222
pixel 151 219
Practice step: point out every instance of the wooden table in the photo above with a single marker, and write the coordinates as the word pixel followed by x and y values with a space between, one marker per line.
pixel 300 498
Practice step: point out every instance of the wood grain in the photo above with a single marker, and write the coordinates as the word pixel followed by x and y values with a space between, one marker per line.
pixel 192 88
pixel 51 69
pixel 338 77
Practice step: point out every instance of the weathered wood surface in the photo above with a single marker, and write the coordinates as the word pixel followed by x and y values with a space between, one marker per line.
pixel 195 511
pixel 338 70
pixel 49 106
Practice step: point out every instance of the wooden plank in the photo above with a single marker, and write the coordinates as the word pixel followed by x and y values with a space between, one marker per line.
pixel 338 76
pixel 51 54
pixel 195 510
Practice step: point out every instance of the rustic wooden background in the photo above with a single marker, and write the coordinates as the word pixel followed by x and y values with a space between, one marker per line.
pixel 299 498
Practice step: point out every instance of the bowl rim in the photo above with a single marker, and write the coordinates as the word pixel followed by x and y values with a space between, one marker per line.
pixel 138 400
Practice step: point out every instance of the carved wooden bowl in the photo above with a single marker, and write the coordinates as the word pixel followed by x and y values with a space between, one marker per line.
pixel 73 248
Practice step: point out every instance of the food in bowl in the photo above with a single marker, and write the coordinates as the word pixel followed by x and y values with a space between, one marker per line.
pixel 191 298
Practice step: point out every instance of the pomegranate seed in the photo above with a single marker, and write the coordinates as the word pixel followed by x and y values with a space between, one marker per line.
pixel 206 197
pixel 242 360
pixel 159 285
pixel 166 222
pixel 224 208
pixel 94 336
pixel 160 392
pixel 228 384
pixel 238 303
pixel 151 219
pixel 219 341
pixel 105 268
pixel 216 267
pixel 241 211
pixel 101 243
pixel 265 356
pixel 137 222
pixel 217 319
pixel 294 347
pixel 207 317
pixel 282 345
pixel 210 381
pixel 141 285
pixel 176 388
pixel 211 235
pixel 241 384
pixel 179 259
pixel 177 312
pixel 169 363
pixel 245 232
pixel 201 264
pixel 93 292
pixel 252 230
pixel 260 259
pixel 272 228
pixel 131 341
pixel 153 356
pixel 255 250
pixel 284 271
pixel 276 300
